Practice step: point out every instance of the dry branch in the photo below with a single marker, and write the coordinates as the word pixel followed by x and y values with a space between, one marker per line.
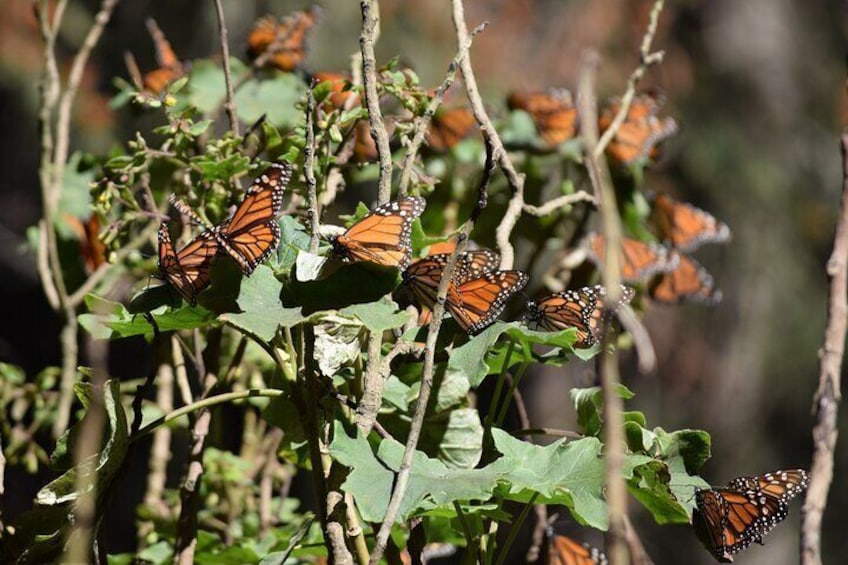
pixel 828 394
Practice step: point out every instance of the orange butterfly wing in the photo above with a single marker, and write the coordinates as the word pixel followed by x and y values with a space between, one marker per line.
pixel 450 126
pixel 639 260
pixel 187 270
pixel 563 550
pixel 578 308
pixel 641 131
pixel 170 68
pixel 477 303
pixel 286 40
pixel 383 236
pixel 553 112
pixel 684 226
pixel 340 92
pixel 688 282
pixel 423 276
pixel 252 233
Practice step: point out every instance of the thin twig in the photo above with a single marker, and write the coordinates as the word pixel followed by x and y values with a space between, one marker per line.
pixel 616 490
pixel 309 173
pixel 559 202
pixel 490 134
pixel 367 39
pixel 402 480
pixel 641 340
pixel 421 123
pixel 638 555
pixel 646 59
pixel 230 104
pixel 375 377
pixel 828 393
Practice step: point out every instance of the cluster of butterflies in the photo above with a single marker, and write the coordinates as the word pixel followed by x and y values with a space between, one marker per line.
pixel 671 274
pixel 726 519
pixel 477 293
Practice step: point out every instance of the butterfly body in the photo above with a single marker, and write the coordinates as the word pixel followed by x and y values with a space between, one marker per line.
pixel 729 519
pixel 576 308
pixel 187 270
pixel 383 236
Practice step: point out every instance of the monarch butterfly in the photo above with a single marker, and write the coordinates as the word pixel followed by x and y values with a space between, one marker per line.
pixel 639 260
pixel 684 226
pixel 283 43
pixel 187 270
pixel 687 282
pixel 383 236
pixel 553 112
pixel 580 308
pixel 641 131
pixel 728 519
pixel 252 233
pixel 450 126
pixel 476 303
pixel 563 550
pixel 423 276
pixel 170 68
pixel 91 247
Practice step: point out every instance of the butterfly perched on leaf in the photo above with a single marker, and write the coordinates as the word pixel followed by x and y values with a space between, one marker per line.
pixel 448 127
pixel 283 44
pixel 642 130
pixel 422 277
pixel 553 112
pixel 684 226
pixel 383 237
pixel 687 282
pixel 251 234
pixel 580 308
pixel 640 260
pixel 728 519
pixel 187 270
pixel 562 550
pixel 476 303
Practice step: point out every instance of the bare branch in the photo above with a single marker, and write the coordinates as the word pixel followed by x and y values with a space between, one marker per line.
pixel 828 394
pixel 230 104
pixel 557 203
pixel 490 134
pixel 367 39
pixel 616 490
pixel 309 173
pixel 421 123
pixel 646 59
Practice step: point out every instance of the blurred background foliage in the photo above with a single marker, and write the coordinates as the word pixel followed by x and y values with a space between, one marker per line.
pixel 757 88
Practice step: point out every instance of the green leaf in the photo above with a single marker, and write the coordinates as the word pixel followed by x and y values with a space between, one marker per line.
pixel 431 483
pixel 650 486
pixel 75 198
pixel 454 437
pixel 293 239
pixel 589 404
pixel 378 316
pixel 571 474
pixel 113 321
pixel 337 343
pixel 276 98
pixel 355 283
pixel 262 312
pixel 208 88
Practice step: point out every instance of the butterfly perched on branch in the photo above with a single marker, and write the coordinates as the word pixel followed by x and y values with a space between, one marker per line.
pixel 283 44
pixel 553 112
pixel 641 132
pixel 730 518
pixel 640 260
pixel 684 226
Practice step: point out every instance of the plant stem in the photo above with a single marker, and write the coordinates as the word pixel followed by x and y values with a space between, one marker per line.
pixel 516 527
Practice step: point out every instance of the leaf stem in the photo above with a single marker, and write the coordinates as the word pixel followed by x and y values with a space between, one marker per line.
pixel 516 527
